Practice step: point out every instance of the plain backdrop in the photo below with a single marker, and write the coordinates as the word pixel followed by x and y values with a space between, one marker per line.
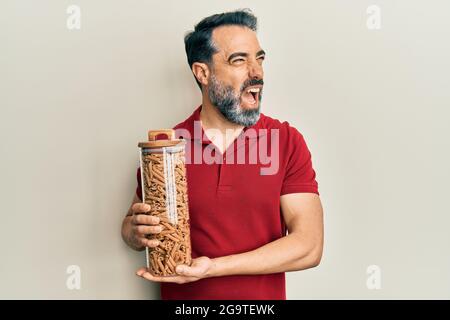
pixel 373 106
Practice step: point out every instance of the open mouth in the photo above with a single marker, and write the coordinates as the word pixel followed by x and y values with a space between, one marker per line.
pixel 251 96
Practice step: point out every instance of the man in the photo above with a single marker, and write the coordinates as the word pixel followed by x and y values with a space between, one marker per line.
pixel 239 213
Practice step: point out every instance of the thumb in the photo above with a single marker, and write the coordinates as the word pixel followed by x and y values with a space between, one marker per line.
pixel 184 270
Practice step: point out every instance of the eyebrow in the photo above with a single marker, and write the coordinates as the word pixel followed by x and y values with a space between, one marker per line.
pixel 244 54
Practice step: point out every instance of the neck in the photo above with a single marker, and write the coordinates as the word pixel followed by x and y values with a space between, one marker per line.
pixel 211 118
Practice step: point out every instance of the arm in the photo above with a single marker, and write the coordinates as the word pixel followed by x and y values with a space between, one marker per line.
pixel 300 249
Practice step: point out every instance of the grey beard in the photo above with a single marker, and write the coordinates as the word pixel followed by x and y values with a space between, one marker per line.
pixel 225 100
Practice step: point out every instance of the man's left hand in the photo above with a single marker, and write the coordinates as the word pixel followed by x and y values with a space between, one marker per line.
pixel 201 268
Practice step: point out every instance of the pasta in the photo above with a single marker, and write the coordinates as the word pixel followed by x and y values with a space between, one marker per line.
pixel 168 201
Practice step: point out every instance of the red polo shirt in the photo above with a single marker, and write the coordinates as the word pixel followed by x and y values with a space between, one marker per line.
pixel 235 208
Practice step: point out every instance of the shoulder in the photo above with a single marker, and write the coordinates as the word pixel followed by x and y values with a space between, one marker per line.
pixel 187 126
pixel 285 129
pixel 181 125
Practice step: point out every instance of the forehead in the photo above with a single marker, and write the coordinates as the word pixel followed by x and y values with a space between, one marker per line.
pixel 229 39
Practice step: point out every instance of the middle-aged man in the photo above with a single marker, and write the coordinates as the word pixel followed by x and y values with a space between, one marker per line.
pixel 250 221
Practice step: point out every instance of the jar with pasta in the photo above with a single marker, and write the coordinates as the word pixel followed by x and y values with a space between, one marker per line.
pixel 164 188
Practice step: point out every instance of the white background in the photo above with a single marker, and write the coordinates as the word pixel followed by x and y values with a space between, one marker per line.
pixel 373 106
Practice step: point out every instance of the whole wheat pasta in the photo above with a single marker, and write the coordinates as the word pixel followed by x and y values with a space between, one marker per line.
pixel 174 240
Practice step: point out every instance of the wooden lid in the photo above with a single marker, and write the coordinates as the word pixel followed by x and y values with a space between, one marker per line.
pixel 154 143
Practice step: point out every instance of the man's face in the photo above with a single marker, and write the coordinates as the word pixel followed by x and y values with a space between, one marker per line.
pixel 236 79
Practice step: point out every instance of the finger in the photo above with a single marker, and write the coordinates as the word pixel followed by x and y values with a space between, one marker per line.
pixel 142 229
pixel 140 207
pixel 186 271
pixel 148 276
pixel 145 219
pixel 151 243
pixel 141 271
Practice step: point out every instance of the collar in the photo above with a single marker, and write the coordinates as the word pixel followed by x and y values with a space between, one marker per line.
pixel 190 126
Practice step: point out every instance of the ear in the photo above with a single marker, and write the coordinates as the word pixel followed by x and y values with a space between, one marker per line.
pixel 201 72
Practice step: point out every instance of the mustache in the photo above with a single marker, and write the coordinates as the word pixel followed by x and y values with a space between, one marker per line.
pixel 252 82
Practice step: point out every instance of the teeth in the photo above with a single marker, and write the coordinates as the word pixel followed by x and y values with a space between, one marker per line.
pixel 256 90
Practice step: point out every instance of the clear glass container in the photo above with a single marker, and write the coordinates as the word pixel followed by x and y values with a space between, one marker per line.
pixel 164 188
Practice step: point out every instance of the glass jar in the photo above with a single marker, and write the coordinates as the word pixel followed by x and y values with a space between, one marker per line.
pixel 164 188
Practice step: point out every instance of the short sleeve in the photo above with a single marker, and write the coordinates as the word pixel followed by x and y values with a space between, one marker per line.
pixel 139 188
pixel 299 174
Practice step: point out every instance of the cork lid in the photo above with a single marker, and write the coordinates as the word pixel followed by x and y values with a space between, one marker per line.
pixel 154 142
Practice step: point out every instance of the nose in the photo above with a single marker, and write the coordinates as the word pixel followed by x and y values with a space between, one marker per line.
pixel 256 71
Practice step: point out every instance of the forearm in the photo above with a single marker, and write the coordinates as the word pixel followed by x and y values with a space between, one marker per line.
pixel 127 234
pixel 289 253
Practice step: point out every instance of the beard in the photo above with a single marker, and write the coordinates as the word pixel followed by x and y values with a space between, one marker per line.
pixel 229 104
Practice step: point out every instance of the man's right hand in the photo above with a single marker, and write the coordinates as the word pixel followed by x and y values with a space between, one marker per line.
pixel 142 225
